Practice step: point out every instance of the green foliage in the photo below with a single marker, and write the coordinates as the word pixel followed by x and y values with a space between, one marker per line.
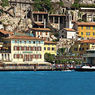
pixel 87 5
pixel 56 34
pixel 75 5
pixel 61 4
pixel 61 51
pixel 49 57
pixel 42 5
pixel 68 61
pixel 76 1
pixel 4 3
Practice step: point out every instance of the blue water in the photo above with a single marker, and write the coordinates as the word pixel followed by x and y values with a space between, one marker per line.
pixel 47 83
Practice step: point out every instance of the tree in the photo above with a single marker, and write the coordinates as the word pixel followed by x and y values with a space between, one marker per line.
pixel 61 51
pixel 61 4
pixel 4 3
pixel 42 5
pixel 49 57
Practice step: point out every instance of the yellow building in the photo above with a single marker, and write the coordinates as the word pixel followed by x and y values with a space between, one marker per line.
pixel 80 47
pixel 85 29
pixel 50 47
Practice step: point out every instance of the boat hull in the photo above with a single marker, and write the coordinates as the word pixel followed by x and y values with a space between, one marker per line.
pixel 84 69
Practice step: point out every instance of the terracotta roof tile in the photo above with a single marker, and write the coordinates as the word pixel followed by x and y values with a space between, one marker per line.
pixel 6 32
pixel 86 23
pixel 69 29
pixel 50 42
pixel 39 12
pixel 88 41
pixel 23 37
pixel 41 29
pixel 39 24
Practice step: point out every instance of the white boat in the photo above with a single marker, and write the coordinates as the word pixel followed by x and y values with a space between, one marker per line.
pixel 85 68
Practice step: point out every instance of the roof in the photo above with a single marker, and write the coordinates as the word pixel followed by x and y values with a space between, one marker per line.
pixel 39 24
pixel 41 29
pixel 86 23
pixel 6 32
pixel 88 41
pixel 39 12
pixel 69 29
pixel 23 37
pixel 57 15
pixel 50 42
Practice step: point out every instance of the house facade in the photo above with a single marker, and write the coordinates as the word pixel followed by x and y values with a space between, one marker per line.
pixel 80 47
pixel 86 30
pixel 50 47
pixel 43 33
pixel 69 33
pixel 23 49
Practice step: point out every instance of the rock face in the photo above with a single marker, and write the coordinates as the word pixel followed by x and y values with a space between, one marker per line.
pixel 87 1
pixel 18 20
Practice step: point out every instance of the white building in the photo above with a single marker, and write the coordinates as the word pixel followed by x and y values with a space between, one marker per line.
pixel 69 33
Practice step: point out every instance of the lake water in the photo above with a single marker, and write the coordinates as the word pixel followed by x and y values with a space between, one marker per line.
pixel 47 83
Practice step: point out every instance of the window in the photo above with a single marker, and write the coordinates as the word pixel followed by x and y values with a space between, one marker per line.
pixel 48 48
pixel 87 33
pixel 33 42
pixel 44 48
pixel 82 48
pixel 46 33
pixel 14 47
pixel 40 17
pixel 93 27
pixel 56 19
pixel 20 42
pixel 14 55
pixel 22 48
pixel 40 33
pixel 15 41
pixel 25 42
pixel 40 56
pixel 81 27
pixel 93 33
pixel 81 33
pixel 88 28
pixel 29 42
pixel 52 48
pixel 75 49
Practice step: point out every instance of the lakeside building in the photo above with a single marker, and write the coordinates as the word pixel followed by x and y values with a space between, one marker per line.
pixel 50 47
pixel 80 47
pixel 23 49
pixel 86 30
